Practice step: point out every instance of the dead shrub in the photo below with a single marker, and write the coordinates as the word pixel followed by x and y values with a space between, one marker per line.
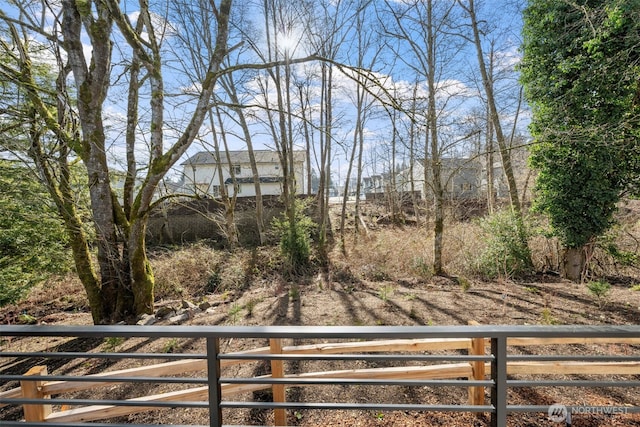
pixel 185 272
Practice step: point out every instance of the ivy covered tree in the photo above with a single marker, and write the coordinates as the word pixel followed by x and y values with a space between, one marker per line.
pixel 581 73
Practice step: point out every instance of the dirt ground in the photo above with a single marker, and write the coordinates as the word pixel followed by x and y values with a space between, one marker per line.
pixel 347 300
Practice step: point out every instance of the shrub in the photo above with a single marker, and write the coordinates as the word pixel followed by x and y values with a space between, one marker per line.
pixel 112 343
pixel 422 268
pixel 465 284
pixel 295 239
pixel 384 292
pixel 189 270
pixel 619 250
pixel 599 289
pixel 504 254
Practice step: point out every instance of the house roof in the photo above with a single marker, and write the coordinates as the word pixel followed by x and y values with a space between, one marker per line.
pixel 249 180
pixel 239 157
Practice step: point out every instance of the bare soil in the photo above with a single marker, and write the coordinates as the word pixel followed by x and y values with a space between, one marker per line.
pixel 353 301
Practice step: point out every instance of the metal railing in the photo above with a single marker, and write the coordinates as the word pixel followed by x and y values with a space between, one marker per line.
pixel 209 395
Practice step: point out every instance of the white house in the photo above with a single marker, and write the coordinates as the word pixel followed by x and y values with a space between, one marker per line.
pixel 461 178
pixel 201 173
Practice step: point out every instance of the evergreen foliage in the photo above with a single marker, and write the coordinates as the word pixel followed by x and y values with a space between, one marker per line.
pixel 581 72
pixel 295 238
pixel 505 254
pixel 33 242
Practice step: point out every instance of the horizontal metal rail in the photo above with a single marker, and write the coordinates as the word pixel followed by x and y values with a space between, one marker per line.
pixel 216 384
pixel 45 424
pixel 352 381
pixel 106 356
pixel 560 358
pixel 574 383
pixel 358 406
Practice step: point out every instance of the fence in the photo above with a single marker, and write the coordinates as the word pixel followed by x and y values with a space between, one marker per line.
pixel 413 349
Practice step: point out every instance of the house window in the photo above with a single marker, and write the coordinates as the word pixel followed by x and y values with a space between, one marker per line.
pixel 465 186
pixel 238 188
pixel 215 190
pixel 237 170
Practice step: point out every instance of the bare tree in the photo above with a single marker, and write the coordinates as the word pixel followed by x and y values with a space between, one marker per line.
pixel 425 47
pixel 280 23
pixel 196 44
pixel 367 52
pixel 229 201
pixel 325 39
pixel 228 83
pixel 496 125
pixel 123 282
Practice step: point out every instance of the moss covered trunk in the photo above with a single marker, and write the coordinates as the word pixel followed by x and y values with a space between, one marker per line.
pixel 87 274
pixel 142 280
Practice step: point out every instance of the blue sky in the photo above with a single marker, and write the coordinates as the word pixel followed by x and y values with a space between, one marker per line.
pixel 458 92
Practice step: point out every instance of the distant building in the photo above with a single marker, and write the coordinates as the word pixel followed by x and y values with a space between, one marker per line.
pixel 461 178
pixel 201 173
pixel 373 184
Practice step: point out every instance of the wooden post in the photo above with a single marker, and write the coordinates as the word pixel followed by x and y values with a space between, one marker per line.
pixel 476 393
pixel 33 390
pixel 278 390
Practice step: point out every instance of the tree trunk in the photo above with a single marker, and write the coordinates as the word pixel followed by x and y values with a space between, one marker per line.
pixel 230 229
pixel 357 216
pixel 573 263
pixel 394 201
pixel 491 194
pixel 304 101
pixel 352 157
pixel 436 164
pixel 412 153
pixel 325 156
pixel 142 280
pixel 92 84
pixel 505 154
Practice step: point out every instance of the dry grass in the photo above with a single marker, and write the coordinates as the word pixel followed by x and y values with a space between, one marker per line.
pixel 63 290
pixel 386 253
pixel 401 252
pixel 199 269
pixel 185 271
pixel 391 253
pixel 384 279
